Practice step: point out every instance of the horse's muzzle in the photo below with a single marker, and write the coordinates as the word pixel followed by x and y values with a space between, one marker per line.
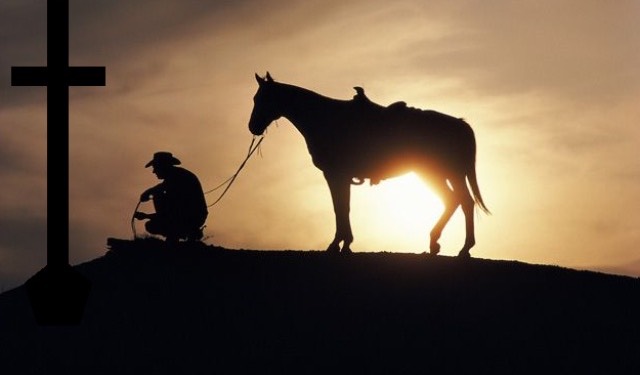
pixel 257 126
pixel 254 129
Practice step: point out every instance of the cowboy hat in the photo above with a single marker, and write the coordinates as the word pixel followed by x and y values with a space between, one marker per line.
pixel 163 158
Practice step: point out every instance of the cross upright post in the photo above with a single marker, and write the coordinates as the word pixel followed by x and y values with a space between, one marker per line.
pixel 57 292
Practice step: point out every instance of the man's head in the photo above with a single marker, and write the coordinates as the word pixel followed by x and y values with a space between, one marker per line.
pixel 162 162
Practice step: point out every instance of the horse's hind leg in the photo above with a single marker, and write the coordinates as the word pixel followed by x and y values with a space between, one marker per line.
pixel 450 205
pixel 466 201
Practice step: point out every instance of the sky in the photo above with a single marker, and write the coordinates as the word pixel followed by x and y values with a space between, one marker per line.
pixel 551 89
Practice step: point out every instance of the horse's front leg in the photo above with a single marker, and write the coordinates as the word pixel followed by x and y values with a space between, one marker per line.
pixel 340 188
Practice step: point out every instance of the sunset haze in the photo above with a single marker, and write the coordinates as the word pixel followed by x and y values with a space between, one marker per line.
pixel 551 89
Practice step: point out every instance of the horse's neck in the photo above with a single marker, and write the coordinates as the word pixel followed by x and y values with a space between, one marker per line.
pixel 306 109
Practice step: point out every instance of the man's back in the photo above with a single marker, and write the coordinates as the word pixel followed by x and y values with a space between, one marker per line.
pixel 185 195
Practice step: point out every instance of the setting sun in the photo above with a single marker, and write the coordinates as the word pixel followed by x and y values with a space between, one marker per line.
pixel 400 213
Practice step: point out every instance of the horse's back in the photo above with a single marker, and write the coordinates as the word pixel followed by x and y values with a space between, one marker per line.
pixel 425 128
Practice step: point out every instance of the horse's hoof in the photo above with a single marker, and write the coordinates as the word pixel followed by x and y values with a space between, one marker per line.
pixel 346 250
pixel 434 248
pixel 333 249
pixel 464 254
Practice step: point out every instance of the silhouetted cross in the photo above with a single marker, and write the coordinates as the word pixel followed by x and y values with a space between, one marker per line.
pixel 58 293
pixel 57 76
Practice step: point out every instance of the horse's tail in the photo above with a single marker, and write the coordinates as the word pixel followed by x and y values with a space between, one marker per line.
pixel 475 189
pixel 471 175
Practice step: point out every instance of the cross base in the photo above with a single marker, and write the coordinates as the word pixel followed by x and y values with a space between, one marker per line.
pixel 58 295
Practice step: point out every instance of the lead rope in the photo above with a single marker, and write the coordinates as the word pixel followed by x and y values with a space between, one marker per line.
pixel 133 219
pixel 229 181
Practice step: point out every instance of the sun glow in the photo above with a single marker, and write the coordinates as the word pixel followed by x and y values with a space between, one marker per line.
pixel 397 214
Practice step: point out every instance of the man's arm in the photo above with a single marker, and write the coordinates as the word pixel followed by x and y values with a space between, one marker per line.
pixel 146 195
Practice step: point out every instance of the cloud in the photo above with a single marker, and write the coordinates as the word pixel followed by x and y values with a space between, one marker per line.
pixel 545 48
pixel 23 247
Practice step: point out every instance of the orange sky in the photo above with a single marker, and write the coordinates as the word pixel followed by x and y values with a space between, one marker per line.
pixel 551 89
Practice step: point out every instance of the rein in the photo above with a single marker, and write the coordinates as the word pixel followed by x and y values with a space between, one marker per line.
pixel 229 181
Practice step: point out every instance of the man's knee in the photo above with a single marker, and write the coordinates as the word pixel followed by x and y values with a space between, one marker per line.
pixel 155 226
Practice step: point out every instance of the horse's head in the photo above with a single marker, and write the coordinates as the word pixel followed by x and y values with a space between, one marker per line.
pixel 266 107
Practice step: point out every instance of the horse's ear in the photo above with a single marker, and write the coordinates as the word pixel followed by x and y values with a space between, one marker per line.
pixel 260 80
pixel 268 77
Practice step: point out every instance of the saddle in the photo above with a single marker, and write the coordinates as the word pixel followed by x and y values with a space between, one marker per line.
pixel 361 98
pixel 382 118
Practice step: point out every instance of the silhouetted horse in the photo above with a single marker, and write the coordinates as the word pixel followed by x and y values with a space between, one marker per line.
pixel 351 140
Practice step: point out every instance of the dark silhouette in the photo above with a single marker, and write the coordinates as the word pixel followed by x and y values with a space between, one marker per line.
pixel 211 310
pixel 353 140
pixel 179 202
pixel 57 293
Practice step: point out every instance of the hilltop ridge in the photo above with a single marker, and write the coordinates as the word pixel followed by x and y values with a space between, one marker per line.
pixel 202 309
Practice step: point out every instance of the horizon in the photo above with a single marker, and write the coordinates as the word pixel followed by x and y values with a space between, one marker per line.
pixel 550 90
pixel 190 311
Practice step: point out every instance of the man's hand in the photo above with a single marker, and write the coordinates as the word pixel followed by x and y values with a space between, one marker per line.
pixel 141 215
pixel 145 197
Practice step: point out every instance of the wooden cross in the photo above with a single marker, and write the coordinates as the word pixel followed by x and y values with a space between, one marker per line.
pixel 57 76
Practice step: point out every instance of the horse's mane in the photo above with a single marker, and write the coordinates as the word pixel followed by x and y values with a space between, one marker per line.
pixel 360 102
pixel 308 92
pixel 359 98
